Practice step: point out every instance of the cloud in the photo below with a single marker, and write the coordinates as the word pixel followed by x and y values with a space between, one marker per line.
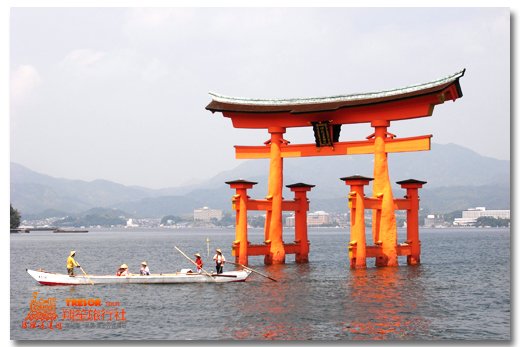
pixel 24 79
pixel 154 70
pixel 155 17
pixel 82 58
pixel 111 66
pixel 150 26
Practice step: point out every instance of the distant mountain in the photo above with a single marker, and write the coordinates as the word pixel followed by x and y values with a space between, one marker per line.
pixel 34 192
pixel 457 178
pixel 449 199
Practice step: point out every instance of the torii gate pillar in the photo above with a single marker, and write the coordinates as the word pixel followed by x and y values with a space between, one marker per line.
pixel 240 200
pixel 273 221
pixel 384 225
pixel 356 200
pixel 300 220
pixel 412 219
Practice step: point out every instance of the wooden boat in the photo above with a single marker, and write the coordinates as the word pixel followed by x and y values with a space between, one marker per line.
pixel 70 231
pixel 184 276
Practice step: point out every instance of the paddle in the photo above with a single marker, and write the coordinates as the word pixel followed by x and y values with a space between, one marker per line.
pixel 248 268
pixel 194 263
pixel 88 277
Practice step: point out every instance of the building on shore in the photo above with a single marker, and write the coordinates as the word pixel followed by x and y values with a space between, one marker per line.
pixel 430 221
pixel 318 218
pixel 482 212
pixel 131 224
pixel 206 214
pixel 470 216
pixel 290 221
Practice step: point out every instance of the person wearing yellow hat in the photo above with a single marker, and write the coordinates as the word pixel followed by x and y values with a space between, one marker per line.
pixel 145 271
pixel 123 270
pixel 198 262
pixel 71 263
pixel 220 260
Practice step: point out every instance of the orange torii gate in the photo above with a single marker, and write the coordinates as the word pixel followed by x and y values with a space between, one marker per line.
pixel 326 115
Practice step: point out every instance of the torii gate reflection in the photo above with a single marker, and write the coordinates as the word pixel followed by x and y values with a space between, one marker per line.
pixel 326 115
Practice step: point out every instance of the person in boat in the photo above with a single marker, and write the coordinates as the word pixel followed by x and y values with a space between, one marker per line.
pixel 198 261
pixel 144 271
pixel 123 270
pixel 71 263
pixel 220 260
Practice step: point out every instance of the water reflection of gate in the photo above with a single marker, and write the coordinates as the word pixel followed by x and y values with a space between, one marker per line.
pixel 274 312
pixel 385 305
pixel 309 304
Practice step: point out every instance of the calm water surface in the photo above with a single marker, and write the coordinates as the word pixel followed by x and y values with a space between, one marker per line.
pixel 460 291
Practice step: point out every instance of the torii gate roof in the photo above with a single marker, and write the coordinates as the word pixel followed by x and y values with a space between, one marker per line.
pixel 347 107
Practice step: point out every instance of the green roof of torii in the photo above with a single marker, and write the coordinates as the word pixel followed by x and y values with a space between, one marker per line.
pixel 221 103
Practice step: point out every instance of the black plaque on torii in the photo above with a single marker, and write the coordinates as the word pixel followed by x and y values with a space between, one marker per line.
pixel 325 134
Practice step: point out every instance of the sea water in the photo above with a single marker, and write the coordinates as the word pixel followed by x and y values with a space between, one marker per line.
pixel 460 291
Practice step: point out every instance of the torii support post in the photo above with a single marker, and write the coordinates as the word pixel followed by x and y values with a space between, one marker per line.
pixel 300 220
pixel 412 187
pixel 240 205
pixel 357 245
pixel 384 224
pixel 274 223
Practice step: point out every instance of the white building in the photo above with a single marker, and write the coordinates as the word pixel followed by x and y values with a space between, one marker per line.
pixel 318 218
pixel 290 221
pixel 429 221
pixel 470 216
pixel 206 214
pixel 465 221
pixel 313 219
pixel 482 212
pixel 130 223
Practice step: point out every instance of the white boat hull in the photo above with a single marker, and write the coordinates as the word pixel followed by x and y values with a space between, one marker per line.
pixel 55 279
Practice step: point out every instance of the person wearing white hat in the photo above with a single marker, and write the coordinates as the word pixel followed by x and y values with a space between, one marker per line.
pixel 123 270
pixel 220 260
pixel 198 262
pixel 145 271
pixel 71 263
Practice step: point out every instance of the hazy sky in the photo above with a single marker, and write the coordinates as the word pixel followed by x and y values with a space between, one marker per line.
pixel 119 93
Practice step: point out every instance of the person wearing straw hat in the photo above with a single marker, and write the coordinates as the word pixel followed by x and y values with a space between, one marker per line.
pixel 123 270
pixel 220 260
pixel 145 271
pixel 198 262
pixel 71 263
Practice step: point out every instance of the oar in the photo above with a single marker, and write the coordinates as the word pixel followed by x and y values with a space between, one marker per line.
pixel 88 277
pixel 194 263
pixel 248 268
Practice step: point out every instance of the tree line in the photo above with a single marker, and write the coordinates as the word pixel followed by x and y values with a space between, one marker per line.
pixel 15 218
